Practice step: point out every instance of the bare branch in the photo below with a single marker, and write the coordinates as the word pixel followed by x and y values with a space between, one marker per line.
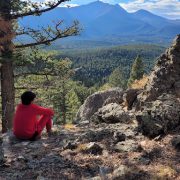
pixel 36 74
pixel 25 31
pixel 20 88
pixel 48 35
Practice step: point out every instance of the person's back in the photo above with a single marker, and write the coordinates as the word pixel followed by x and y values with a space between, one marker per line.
pixel 30 119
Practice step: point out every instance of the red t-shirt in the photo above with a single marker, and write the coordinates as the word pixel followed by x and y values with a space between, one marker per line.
pixel 25 119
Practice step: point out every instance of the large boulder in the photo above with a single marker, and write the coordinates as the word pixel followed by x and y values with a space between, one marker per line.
pixel 165 78
pixel 96 101
pixel 111 113
pixel 159 116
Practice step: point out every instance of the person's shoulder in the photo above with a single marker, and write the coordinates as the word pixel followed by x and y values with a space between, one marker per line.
pixel 19 105
pixel 34 105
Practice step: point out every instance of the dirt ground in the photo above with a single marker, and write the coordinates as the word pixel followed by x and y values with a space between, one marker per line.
pixel 77 153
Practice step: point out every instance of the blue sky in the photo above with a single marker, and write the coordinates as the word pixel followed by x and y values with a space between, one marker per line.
pixel 165 8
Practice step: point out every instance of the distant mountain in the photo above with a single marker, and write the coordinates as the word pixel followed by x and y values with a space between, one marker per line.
pixel 111 23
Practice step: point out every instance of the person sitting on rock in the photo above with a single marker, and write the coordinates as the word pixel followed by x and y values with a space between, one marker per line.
pixel 30 119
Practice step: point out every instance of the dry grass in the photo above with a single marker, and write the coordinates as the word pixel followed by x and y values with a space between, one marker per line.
pixel 164 172
pixel 82 147
pixel 140 84
pixel 70 127
pixel 105 87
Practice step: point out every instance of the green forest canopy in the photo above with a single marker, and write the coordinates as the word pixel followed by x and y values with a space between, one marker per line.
pixel 95 65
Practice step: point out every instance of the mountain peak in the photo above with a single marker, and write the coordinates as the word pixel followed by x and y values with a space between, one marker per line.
pixel 98 2
pixel 144 14
pixel 143 10
pixel 101 4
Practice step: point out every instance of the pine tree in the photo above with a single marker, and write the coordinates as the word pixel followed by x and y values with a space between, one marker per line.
pixel 117 78
pixel 73 105
pixel 137 70
pixel 10 12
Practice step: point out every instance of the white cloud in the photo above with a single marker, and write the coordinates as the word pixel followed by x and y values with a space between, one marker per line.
pixel 69 5
pixel 166 8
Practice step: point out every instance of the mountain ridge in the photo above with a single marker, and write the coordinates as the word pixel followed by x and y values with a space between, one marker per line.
pixel 102 21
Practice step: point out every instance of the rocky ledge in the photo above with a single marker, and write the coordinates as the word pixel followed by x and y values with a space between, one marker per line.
pixel 93 152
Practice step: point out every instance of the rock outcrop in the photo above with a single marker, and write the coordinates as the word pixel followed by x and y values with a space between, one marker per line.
pixel 97 100
pixel 159 103
pixel 165 78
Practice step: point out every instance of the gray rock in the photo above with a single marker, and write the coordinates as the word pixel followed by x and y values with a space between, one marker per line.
pixel 159 116
pixel 41 178
pixel 96 101
pixel 51 159
pixel 119 137
pixel 177 88
pixel 83 123
pixel 95 178
pixel 7 144
pixel 32 164
pixel 35 145
pixel 71 146
pixel 130 96
pixel 144 161
pixel 120 172
pixel 176 142
pixel 93 148
pixel 112 113
pixel 117 100
pixel 127 146
pixel 96 136
pixel 1 150
pixel 21 158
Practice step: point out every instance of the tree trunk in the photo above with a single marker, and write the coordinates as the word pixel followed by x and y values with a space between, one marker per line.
pixel 7 77
pixel 63 102
pixel 7 91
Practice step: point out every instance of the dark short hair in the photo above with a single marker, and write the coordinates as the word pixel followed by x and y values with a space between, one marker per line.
pixel 27 97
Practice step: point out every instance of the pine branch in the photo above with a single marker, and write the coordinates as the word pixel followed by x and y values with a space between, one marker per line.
pixel 36 74
pixel 25 31
pixel 35 8
pixel 48 35
pixel 21 88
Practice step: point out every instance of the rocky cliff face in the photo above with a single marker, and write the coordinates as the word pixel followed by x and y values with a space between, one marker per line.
pixel 165 78
pixel 159 103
